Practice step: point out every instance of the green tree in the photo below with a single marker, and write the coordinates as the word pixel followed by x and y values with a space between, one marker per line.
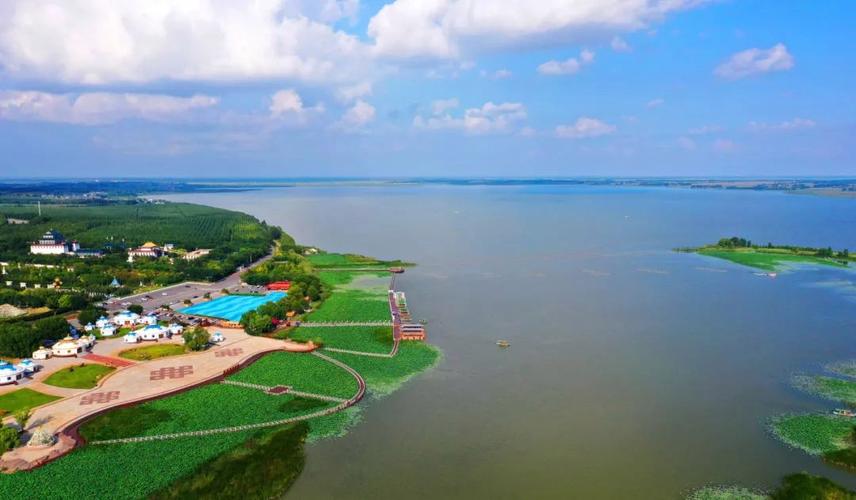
pixel 90 315
pixel 136 308
pixel 196 339
pixel 22 416
pixel 9 439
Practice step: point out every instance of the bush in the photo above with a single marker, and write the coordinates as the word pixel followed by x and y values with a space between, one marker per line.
pixel 90 315
pixel 196 339
pixel 8 439
pixel 136 308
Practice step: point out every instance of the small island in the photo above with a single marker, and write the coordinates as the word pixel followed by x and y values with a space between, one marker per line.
pixel 771 257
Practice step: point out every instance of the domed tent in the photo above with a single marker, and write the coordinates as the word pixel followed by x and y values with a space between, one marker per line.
pixel 9 373
pixel 67 347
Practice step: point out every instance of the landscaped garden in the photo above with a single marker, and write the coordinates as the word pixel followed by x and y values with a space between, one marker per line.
pixel 155 351
pixel 82 376
pixel 23 399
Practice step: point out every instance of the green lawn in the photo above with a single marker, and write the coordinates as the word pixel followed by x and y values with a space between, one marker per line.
pixel 155 351
pixel 84 376
pixel 767 261
pixel 813 433
pixel 23 399
pixel 354 338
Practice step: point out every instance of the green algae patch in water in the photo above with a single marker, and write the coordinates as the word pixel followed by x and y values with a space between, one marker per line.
pixel 813 433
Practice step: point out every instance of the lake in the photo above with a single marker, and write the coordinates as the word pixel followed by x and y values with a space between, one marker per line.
pixel 633 372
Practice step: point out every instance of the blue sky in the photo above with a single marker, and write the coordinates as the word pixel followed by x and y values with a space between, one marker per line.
pixel 287 88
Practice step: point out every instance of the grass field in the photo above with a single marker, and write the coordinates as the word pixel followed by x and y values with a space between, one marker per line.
pixel 155 351
pixel 813 433
pixel 84 376
pixel 354 338
pixel 23 399
pixel 834 389
pixel 767 261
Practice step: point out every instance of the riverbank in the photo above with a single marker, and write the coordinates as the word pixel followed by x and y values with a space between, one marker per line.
pixel 771 257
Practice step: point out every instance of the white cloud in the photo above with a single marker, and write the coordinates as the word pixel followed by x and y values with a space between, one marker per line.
pixel 755 62
pixel 705 129
pixel 357 116
pixel 619 45
pixel 490 118
pixel 327 11
pixel 288 105
pixel 97 108
pixel 451 28
pixel 500 74
pixel 351 93
pixel 655 103
pixel 108 41
pixel 584 127
pixel 724 146
pixel 788 125
pixel 440 106
pixel 567 67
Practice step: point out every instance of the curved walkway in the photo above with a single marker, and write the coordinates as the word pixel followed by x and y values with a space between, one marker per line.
pixel 361 390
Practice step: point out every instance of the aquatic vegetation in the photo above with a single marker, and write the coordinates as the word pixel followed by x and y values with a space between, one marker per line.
pixel 304 372
pixel 767 261
pixel 813 433
pixel 805 486
pixel 334 425
pixel 338 260
pixel 23 399
pixel 843 368
pixel 831 388
pixel 845 458
pixel 352 305
pixel 355 338
pixel 263 467
pixel 339 278
pixel 384 375
pixel 726 493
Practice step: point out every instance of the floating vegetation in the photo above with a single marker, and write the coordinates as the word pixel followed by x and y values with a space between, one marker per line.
pixel 831 388
pixel 726 493
pixel 813 433
pixel 843 368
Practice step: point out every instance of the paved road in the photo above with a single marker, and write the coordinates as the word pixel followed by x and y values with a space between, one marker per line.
pixel 175 295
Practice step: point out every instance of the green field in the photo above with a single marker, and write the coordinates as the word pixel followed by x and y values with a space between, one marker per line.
pixel 767 261
pixel 354 338
pixel 84 376
pixel 155 351
pixel 831 388
pixel 23 399
pixel 813 433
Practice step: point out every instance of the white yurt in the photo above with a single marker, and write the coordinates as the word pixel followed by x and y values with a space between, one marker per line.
pixel 66 347
pixel 126 318
pixel 9 373
pixel 29 366
pixel 89 327
pixel 108 331
pixel 102 322
pixel 217 337
pixel 152 332
pixel 150 319
pixel 42 353
pixel 175 329
pixel 131 338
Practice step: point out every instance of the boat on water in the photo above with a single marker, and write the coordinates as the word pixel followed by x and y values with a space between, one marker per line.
pixel 503 343
pixel 840 412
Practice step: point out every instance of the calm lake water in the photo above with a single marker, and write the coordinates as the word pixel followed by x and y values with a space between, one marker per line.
pixel 634 371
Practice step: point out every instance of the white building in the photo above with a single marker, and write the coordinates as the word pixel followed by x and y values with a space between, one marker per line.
pixel 102 322
pixel 126 318
pixel 149 250
pixel 217 337
pixel 152 332
pixel 66 347
pixel 42 353
pixel 88 327
pixel 131 338
pixel 9 373
pixel 150 319
pixel 28 366
pixel 53 243
pixel 108 331
pixel 175 329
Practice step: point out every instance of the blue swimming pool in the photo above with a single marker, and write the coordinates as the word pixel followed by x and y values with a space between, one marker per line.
pixel 231 307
